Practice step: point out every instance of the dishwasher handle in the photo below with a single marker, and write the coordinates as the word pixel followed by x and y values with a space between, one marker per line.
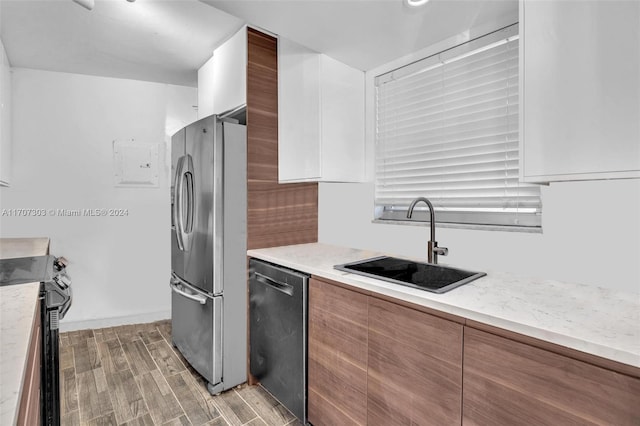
pixel 276 285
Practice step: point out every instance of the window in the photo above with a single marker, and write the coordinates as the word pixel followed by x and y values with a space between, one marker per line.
pixel 447 129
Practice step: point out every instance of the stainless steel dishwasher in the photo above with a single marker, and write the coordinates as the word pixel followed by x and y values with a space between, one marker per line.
pixel 278 333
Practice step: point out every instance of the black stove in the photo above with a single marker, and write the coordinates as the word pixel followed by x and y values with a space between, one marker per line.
pixel 22 270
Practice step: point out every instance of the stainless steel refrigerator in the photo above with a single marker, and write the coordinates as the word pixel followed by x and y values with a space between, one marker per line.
pixel 208 249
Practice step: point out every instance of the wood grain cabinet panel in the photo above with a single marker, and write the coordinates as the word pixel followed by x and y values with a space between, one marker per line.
pixel 415 367
pixel 337 355
pixel 511 383
pixel 277 215
pixel 29 410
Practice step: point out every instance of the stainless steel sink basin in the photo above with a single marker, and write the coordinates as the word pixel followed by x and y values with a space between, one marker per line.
pixel 424 276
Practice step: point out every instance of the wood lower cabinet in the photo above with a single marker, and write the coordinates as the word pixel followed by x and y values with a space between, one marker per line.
pixel 337 389
pixel 29 410
pixel 375 361
pixel 378 363
pixel 415 367
pixel 511 383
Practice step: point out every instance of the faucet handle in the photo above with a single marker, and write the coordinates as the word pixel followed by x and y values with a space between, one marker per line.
pixel 441 251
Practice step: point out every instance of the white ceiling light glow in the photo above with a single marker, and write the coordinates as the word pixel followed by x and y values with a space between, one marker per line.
pixel 416 3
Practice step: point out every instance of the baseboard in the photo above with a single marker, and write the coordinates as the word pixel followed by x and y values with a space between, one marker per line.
pixel 111 322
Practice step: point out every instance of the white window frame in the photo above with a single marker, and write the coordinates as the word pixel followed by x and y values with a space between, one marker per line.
pixel 483 220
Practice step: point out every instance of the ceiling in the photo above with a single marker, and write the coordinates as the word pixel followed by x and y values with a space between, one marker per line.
pixel 153 40
pixel 368 33
pixel 168 40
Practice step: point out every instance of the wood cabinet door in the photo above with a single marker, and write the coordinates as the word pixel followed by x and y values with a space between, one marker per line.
pixel 29 409
pixel 337 363
pixel 414 366
pixel 511 383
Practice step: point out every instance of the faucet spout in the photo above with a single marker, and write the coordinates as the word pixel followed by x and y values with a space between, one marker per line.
pixel 432 216
pixel 432 246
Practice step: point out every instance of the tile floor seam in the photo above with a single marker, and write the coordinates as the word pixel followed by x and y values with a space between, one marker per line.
pixel 111 398
pixel 226 420
pixel 75 378
pixel 220 413
pixel 168 385
pixel 248 405
pixel 134 380
pixel 154 360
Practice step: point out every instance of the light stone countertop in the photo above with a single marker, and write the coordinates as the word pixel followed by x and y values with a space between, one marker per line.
pixel 17 311
pixel 23 247
pixel 595 320
pixel 18 305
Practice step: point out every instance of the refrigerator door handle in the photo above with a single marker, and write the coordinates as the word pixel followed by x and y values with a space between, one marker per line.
pixel 177 203
pixel 191 203
pixel 276 285
pixel 187 190
pixel 175 287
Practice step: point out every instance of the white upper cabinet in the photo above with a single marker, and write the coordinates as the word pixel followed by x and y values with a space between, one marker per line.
pixel 580 82
pixel 230 73
pixel 5 119
pixel 222 80
pixel 320 117
pixel 205 89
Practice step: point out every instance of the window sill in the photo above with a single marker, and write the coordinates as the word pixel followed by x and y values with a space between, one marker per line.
pixel 525 229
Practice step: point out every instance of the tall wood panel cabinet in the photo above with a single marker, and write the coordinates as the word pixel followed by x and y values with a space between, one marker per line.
pixel 277 214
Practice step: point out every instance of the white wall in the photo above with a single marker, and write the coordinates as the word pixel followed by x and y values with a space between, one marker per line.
pixel 591 234
pixel 63 126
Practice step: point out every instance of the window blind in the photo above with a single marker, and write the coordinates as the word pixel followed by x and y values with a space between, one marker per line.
pixel 447 129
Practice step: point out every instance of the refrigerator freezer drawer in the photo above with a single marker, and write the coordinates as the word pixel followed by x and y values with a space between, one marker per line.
pixel 196 330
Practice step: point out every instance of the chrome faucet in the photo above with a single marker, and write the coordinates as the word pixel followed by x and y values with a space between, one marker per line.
pixel 432 245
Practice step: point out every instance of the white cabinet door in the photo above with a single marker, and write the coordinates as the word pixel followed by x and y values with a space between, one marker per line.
pixel 205 89
pixel 580 68
pixel 230 73
pixel 342 126
pixel 5 119
pixel 222 80
pixel 298 112
pixel 320 117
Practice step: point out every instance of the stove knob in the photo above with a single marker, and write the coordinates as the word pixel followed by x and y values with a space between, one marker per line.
pixel 63 280
pixel 60 263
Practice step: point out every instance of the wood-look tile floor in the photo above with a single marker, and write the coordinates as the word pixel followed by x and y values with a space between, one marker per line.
pixel 132 375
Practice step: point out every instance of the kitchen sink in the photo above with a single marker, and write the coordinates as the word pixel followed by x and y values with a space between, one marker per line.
pixel 423 276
